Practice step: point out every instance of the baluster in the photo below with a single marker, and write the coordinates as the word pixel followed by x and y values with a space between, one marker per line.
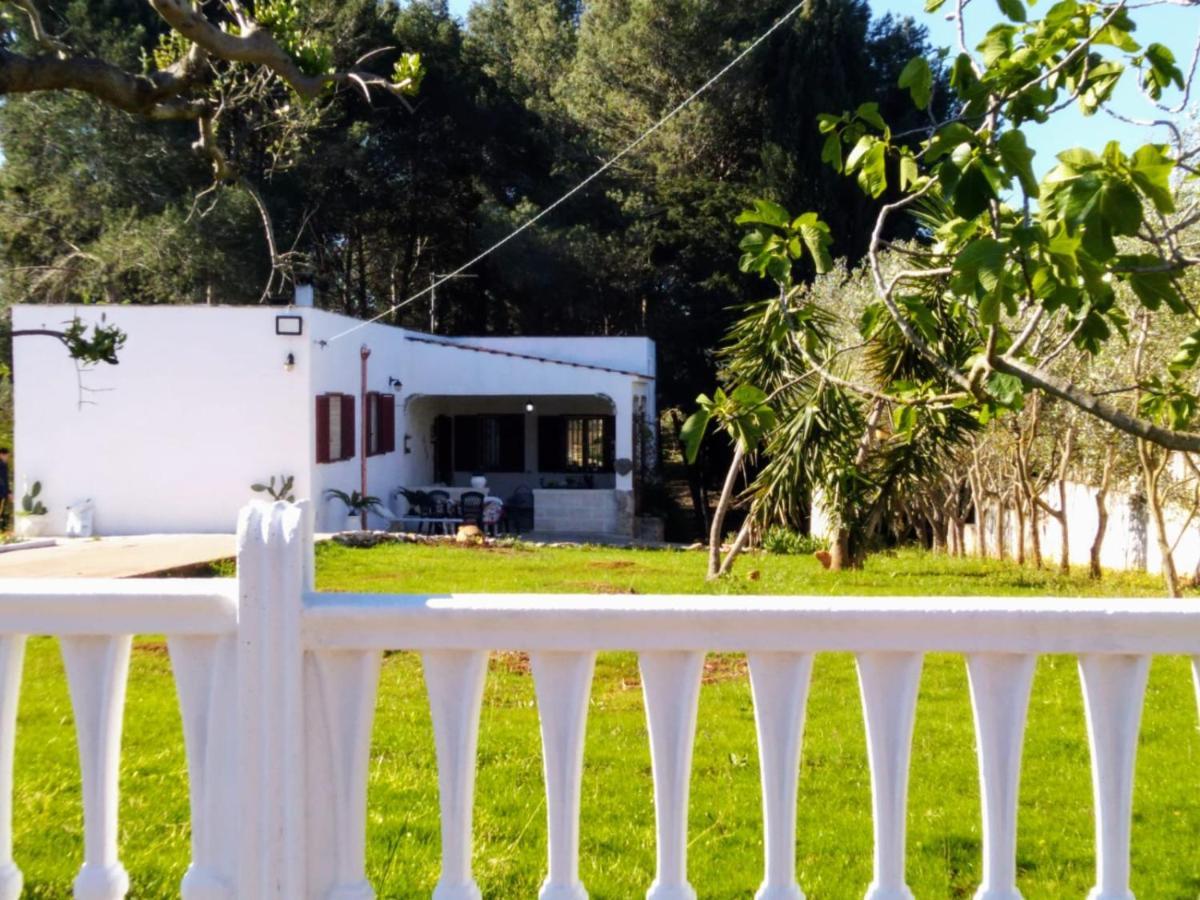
pixel 563 682
pixel 1000 684
pixel 205 670
pixel 1196 679
pixel 12 655
pixel 779 682
pixel 889 683
pixel 671 687
pixel 1113 687
pixel 96 675
pixel 454 679
pixel 347 682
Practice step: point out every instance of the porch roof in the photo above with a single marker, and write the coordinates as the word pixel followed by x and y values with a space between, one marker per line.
pixel 526 356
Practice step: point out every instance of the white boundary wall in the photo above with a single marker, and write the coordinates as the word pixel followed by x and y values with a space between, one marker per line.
pixel 277 688
pixel 1130 539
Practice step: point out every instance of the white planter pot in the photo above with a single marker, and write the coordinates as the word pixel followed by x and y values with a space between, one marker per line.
pixel 479 482
pixel 30 526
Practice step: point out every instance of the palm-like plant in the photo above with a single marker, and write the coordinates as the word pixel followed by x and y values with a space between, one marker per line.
pixel 356 504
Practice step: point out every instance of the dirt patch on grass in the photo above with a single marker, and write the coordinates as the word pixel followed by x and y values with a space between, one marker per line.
pixel 513 662
pixel 725 667
pixel 600 587
pixel 155 648
pixel 613 564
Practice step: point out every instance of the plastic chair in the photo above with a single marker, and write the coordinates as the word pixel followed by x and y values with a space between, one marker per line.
pixel 470 507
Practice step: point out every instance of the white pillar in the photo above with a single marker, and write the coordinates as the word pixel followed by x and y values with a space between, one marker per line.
pixel 780 685
pixel 12 655
pixel 623 439
pixel 563 682
pixel 455 679
pixel 97 669
pixel 671 687
pixel 889 684
pixel 274 562
pixel 1000 684
pixel 1113 687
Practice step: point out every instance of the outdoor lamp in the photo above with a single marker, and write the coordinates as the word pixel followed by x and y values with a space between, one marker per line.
pixel 289 363
pixel 529 407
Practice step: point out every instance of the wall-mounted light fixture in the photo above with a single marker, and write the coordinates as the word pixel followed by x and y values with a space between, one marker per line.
pixel 395 383
pixel 529 406
pixel 408 443
pixel 289 325
pixel 289 362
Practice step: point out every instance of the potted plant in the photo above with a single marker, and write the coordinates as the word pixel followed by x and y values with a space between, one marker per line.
pixel 356 505
pixel 31 517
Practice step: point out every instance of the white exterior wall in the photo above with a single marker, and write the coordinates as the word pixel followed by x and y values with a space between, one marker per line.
pixel 198 408
pixel 201 406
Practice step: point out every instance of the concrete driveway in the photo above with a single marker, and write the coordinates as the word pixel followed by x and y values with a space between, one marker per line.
pixel 117 557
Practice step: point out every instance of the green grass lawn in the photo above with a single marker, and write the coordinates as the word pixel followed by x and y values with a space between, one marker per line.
pixel 617 853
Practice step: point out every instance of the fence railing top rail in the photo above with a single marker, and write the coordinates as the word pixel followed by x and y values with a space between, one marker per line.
pixel 743 623
pixel 104 606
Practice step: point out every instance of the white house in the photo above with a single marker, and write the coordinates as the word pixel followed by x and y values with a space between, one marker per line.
pixel 207 400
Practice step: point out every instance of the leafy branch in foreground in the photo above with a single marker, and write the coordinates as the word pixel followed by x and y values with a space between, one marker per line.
pixel 1028 268
pixel 252 76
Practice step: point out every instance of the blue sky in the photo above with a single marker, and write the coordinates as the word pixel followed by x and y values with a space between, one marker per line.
pixel 1174 26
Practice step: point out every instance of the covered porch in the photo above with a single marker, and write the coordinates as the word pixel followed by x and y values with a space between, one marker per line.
pixel 561 463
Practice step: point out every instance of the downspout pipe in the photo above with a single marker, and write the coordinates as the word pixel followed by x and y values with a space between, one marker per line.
pixel 364 354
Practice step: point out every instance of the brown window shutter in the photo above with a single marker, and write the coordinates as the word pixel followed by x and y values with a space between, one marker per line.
pixel 371 433
pixel 323 428
pixel 387 423
pixel 347 426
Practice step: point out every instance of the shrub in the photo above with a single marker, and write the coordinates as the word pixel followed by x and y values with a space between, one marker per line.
pixel 786 542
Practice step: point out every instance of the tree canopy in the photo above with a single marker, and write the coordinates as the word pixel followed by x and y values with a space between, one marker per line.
pixel 373 194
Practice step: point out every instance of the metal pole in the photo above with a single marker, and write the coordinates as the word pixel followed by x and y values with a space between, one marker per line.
pixel 364 353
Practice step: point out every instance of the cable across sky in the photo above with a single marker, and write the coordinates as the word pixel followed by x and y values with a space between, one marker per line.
pixel 629 148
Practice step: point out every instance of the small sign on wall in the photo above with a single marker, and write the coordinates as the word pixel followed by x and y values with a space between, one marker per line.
pixel 289 325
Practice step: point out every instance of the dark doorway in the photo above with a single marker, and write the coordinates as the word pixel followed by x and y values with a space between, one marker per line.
pixel 443 450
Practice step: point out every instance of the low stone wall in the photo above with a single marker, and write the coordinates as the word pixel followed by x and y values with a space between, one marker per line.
pixel 583 511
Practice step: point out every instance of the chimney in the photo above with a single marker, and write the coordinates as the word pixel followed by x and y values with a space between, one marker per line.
pixel 303 295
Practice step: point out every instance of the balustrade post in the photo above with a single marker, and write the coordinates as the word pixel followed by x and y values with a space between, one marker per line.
pixel 779 682
pixel 97 670
pixel 889 684
pixel 12 656
pixel 563 682
pixel 1113 688
pixel 671 687
pixel 274 570
pixel 205 669
pixel 1000 684
pixel 455 680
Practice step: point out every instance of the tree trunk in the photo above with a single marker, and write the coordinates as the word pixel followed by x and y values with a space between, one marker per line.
pixel 723 504
pixel 1152 470
pixel 977 501
pixel 1094 570
pixel 1019 507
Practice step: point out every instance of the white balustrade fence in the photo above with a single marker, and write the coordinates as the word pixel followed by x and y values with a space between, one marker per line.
pixel 277 688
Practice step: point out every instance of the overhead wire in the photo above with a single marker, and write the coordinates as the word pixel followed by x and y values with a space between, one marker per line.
pixel 629 148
